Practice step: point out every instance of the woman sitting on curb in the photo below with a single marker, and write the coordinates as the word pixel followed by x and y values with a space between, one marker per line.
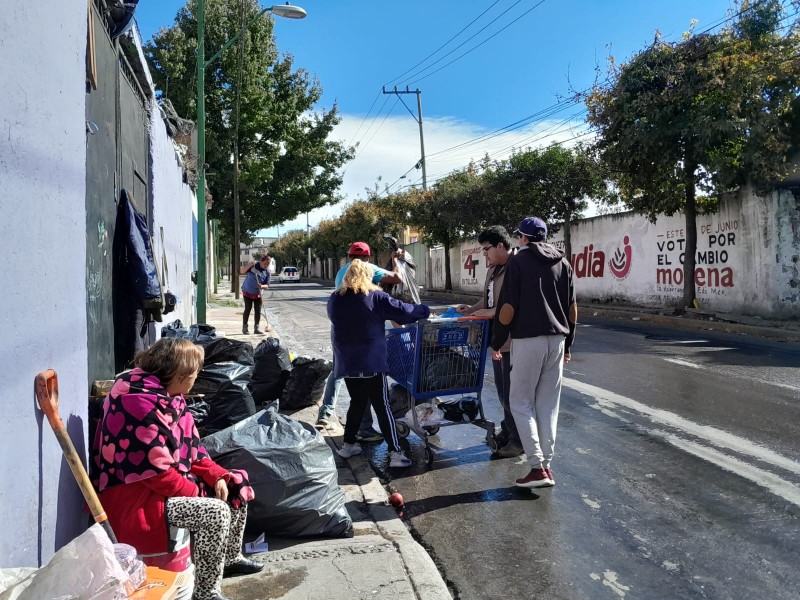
pixel 153 472
pixel 358 310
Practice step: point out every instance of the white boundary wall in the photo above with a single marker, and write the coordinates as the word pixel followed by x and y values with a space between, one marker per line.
pixel 748 258
pixel 43 277
pixel 174 221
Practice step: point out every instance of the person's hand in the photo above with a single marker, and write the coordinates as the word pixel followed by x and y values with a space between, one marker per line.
pixel 484 312
pixel 463 309
pixel 567 357
pixel 221 490
pixel 497 355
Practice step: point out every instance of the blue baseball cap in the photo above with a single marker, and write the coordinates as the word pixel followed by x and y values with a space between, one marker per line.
pixel 533 228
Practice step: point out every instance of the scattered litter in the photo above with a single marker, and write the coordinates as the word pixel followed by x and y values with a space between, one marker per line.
pixel 257 545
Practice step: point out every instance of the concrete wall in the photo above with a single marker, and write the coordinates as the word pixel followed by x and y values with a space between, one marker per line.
pixel 747 258
pixel 43 300
pixel 174 220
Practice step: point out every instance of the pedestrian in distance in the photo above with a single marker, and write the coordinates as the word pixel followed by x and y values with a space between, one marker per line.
pixel 153 474
pixel 327 412
pixel 258 278
pixel 358 310
pixel 537 309
pixel 496 245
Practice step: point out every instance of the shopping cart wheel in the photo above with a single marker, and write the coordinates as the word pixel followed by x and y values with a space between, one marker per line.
pixel 402 429
pixel 432 430
pixel 492 441
pixel 428 456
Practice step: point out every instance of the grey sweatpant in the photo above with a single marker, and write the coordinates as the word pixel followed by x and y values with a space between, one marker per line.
pixel 537 365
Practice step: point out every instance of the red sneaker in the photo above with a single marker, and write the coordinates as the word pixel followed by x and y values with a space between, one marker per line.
pixel 535 479
pixel 550 475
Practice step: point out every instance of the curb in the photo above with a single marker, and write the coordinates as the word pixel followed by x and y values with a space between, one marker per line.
pixel 422 572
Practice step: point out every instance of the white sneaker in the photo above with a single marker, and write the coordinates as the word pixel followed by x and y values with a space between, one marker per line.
pixel 398 459
pixel 348 450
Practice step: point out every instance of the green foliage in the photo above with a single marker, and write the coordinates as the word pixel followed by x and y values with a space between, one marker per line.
pixel 291 249
pixel 288 165
pixel 553 183
pixel 706 114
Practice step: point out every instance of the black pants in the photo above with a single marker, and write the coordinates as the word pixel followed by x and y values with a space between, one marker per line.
pixel 502 381
pixel 364 392
pixel 248 304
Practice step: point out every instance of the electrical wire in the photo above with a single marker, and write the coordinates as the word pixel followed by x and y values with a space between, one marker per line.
pixel 473 36
pixel 480 44
pixel 467 26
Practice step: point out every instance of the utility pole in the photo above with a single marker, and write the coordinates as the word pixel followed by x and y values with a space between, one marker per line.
pixel 236 213
pixel 418 119
pixel 308 241
pixel 201 163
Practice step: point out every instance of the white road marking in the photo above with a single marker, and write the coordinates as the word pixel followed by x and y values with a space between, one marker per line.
pixel 684 363
pixel 717 437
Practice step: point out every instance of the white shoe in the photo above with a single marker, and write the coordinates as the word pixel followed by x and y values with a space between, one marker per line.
pixel 348 450
pixel 398 459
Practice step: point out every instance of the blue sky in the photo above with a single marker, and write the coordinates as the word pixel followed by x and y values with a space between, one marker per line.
pixel 531 56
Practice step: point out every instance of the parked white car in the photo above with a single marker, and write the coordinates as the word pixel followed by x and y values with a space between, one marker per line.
pixel 289 274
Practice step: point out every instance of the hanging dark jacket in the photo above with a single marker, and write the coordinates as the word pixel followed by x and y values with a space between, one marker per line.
pixel 137 299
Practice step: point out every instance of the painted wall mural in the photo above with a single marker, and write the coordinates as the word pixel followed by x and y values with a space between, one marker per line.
pixel 746 261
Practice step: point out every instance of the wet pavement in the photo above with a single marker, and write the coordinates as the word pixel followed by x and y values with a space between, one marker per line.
pixel 677 470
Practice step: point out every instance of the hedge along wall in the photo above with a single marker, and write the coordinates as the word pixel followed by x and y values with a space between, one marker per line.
pixel 747 258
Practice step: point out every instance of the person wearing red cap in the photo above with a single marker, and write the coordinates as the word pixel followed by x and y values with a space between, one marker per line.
pixel 327 414
pixel 537 309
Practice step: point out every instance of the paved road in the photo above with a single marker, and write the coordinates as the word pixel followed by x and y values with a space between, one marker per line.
pixel 677 469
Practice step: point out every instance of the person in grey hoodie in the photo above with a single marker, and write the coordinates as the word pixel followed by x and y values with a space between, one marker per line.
pixel 537 309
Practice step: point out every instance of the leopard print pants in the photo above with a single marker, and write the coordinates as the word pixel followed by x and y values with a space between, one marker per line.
pixel 217 531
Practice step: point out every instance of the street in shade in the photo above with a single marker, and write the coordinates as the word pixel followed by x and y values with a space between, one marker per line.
pixel 677 470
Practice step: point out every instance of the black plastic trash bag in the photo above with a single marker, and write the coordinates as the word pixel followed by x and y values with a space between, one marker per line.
pixel 292 472
pixel 226 350
pixel 224 387
pixel 271 372
pixel 306 382
pixel 199 409
pixel 444 370
pixel 399 400
pixel 197 333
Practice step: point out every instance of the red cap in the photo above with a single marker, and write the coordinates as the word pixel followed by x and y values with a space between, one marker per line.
pixel 358 249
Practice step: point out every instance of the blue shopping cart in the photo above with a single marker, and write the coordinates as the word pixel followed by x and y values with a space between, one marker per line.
pixel 440 357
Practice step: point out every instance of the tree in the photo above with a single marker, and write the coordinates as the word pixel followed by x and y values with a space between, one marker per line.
pixel 288 165
pixel 705 114
pixel 290 250
pixel 447 213
pixel 554 183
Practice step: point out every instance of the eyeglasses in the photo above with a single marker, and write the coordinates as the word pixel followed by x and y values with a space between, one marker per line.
pixel 487 248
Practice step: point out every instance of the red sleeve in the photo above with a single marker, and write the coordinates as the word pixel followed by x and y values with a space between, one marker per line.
pixel 209 471
pixel 170 483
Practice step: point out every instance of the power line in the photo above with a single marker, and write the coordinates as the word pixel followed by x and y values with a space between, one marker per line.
pixel 480 44
pixel 391 81
pixel 473 36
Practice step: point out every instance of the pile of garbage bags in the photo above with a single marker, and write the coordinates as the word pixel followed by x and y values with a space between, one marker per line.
pixel 292 471
pixel 290 466
pixel 237 380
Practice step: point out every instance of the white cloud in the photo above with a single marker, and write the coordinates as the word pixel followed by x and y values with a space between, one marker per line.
pixel 388 148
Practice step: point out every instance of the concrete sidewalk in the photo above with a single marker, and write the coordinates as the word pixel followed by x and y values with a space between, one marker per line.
pixel 382 560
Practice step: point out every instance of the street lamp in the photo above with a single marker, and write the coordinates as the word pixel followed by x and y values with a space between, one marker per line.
pixel 282 10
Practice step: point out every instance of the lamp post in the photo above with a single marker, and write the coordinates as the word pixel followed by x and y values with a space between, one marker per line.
pixel 282 10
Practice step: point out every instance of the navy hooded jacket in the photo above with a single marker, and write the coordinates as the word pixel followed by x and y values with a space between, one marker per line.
pixel 359 337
